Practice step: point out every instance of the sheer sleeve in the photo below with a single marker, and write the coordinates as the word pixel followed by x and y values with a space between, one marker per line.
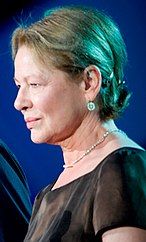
pixel 120 198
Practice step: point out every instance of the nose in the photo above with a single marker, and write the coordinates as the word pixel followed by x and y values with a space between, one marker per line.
pixel 22 101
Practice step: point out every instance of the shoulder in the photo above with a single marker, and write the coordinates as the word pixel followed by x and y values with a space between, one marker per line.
pixel 123 167
pixel 120 198
pixel 125 159
pixel 124 171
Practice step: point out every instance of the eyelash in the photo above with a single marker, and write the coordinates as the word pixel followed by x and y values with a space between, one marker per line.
pixel 31 85
pixel 34 84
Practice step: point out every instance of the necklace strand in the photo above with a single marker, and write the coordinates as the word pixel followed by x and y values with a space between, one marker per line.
pixel 93 147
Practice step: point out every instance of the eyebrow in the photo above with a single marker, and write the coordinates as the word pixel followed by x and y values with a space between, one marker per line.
pixel 16 80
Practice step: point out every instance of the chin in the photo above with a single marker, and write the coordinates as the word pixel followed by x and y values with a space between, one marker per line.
pixel 36 139
pixel 42 137
pixel 39 139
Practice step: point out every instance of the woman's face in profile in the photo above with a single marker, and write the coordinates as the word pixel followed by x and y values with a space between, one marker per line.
pixel 53 107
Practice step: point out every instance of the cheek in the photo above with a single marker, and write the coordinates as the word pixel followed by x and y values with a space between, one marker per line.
pixel 41 105
pixel 59 101
pixel 42 102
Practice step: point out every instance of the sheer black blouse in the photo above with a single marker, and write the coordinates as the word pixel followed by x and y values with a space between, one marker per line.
pixel 110 196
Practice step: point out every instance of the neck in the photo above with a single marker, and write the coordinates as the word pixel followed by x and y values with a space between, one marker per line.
pixel 85 136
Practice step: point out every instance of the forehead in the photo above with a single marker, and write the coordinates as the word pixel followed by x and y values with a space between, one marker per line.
pixel 24 55
pixel 28 57
pixel 25 63
pixel 27 67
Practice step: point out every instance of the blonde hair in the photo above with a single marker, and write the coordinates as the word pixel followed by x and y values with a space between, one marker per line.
pixel 72 38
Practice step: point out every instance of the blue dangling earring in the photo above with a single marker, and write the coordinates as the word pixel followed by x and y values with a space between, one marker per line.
pixel 91 106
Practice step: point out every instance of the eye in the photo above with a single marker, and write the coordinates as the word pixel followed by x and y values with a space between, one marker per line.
pixel 34 85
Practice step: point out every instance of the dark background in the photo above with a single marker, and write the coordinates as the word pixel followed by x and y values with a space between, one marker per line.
pixel 42 163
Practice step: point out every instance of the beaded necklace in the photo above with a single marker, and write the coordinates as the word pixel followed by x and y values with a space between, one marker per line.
pixel 93 147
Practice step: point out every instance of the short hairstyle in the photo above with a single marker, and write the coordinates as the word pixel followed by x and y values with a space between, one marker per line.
pixel 73 37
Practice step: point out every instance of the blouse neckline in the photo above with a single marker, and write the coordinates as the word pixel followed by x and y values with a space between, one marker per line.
pixel 96 167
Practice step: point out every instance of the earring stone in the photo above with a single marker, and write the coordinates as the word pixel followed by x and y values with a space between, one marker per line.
pixel 91 106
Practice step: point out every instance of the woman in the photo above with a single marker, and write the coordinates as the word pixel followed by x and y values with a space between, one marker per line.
pixel 69 71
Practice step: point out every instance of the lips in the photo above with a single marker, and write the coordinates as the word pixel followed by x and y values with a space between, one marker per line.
pixel 31 122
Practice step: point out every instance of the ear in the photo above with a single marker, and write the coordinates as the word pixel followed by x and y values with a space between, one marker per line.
pixel 91 83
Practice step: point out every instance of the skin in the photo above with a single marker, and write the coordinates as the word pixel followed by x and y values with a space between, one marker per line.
pixel 125 234
pixel 58 100
pixel 54 109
